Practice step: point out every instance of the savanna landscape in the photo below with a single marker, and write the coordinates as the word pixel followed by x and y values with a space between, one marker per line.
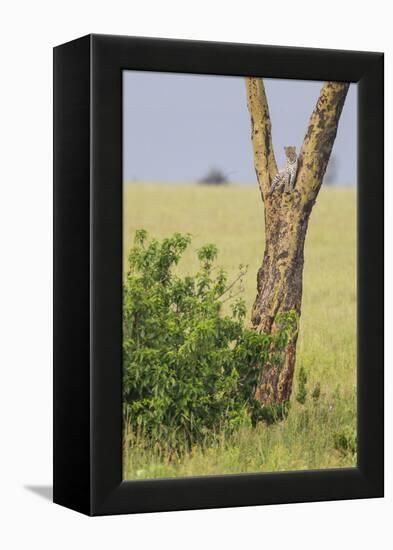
pixel 318 429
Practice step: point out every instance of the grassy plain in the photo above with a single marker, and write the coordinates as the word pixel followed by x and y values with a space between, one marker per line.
pixel 319 433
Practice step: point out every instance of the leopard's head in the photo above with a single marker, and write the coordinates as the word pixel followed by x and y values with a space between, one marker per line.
pixel 290 153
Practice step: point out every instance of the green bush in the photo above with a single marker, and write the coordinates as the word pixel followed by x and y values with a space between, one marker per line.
pixel 345 441
pixel 189 370
pixel 316 393
pixel 301 394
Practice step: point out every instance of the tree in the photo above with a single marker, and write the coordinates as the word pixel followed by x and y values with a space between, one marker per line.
pixel 214 176
pixel 280 277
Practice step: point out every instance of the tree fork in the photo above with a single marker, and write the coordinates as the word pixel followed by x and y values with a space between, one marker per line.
pixel 280 278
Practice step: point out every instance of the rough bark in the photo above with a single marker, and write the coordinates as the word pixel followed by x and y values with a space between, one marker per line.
pixel 280 278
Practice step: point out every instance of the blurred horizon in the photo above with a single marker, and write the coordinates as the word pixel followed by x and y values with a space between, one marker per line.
pixel 220 186
pixel 179 128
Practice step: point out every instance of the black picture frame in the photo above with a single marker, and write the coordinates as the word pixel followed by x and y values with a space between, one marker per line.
pixel 88 274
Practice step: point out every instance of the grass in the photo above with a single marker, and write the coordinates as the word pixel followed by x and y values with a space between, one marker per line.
pixel 315 434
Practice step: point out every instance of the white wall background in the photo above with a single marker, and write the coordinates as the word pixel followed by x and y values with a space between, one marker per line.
pixel 28 31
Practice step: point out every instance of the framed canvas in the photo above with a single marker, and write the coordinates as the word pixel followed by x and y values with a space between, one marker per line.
pixel 218 275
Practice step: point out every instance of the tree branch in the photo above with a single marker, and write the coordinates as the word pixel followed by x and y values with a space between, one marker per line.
pixel 242 273
pixel 319 138
pixel 261 134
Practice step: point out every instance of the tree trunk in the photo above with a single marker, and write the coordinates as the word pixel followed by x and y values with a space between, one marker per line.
pixel 280 278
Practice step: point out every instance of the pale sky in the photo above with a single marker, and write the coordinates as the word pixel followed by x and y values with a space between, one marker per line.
pixel 177 126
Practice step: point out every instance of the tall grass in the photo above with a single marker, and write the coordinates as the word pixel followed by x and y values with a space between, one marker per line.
pixel 314 434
